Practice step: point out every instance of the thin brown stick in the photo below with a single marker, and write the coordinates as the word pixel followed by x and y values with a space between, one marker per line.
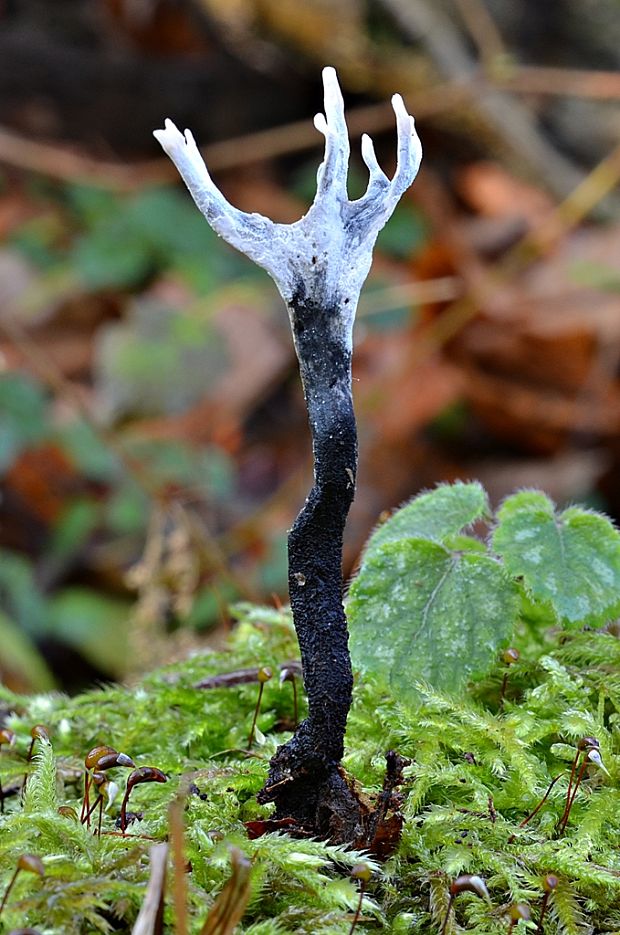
pixel 570 787
pixel 543 911
pixel 444 927
pixel 563 82
pixel 179 883
pixel 483 30
pixel 563 218
pixel 9 888
pixel 358 910
pixel 566 816
pixel 507 119
pixel 150 917
pixel 60 162
pixel 535 811
pixel 86 799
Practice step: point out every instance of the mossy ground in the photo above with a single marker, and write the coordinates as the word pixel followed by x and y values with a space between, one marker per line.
pixel 477 769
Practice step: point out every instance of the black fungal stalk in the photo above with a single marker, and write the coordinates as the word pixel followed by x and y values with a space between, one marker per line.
pixel 319 265
pixel 304 774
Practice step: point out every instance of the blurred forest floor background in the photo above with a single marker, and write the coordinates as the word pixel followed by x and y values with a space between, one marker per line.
pixel 153 439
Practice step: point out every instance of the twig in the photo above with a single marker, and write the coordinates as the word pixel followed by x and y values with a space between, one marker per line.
pixel 483 30
pixel 575 207
pixel 535 811
pixel 60 162
pixel 177 842
pixel 508 119
pixel 151 916
pixel 564 82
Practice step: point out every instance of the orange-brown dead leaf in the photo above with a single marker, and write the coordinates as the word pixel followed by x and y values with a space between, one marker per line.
pixel 488 189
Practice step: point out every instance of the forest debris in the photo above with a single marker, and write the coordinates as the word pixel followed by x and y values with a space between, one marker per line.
pixel 243 676
pixel 151 916
pixel 386 820
pixel 493 192
pixel 229 907
pixel 176 837
pixel 256 829
pixel 255 355
pixel 508 119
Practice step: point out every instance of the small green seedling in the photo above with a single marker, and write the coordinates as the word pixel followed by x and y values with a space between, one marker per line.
pixel 466 883
pixel 27 863
pixel 142 774
pixel 263 676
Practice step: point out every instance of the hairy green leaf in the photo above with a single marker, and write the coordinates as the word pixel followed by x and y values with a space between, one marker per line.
pixel 570 560
pixel 421 613
pixel 435 515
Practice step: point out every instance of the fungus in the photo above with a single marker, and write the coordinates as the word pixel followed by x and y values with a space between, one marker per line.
pixel 319 265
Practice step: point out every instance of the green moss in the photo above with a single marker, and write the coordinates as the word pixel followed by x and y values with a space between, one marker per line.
pixel 477 770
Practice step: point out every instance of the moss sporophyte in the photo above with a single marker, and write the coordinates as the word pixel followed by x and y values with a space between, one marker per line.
pixel 468 784
pixel 476 770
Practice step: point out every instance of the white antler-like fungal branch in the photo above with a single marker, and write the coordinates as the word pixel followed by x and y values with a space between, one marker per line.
pixel 319 265
pixel 329 250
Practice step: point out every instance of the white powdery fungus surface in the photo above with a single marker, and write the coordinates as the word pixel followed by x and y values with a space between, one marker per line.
pixel 329 250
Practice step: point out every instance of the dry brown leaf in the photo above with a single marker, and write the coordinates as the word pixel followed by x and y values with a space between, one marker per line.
pixel 488 189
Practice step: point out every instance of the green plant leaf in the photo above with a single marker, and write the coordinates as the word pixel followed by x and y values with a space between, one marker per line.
pixel 111 255
pixel 571 560
pixel 421 613
pixel 95 625
pixel 74 527
pixel 21 657
pixel 435 515
pixel 23 410
pixel 404 234
pixel 20 596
